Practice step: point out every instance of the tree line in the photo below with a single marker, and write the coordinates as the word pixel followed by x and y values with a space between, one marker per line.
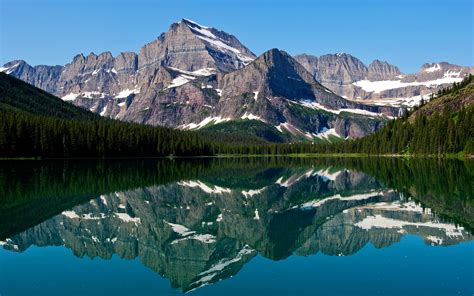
pixel 23 134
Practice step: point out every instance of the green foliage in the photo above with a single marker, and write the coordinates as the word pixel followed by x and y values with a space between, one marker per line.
pixel 16 95
pixel 244 132
pixel 24 135
pixel 456 87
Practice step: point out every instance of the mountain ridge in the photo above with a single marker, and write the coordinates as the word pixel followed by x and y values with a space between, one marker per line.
pixel 381 83
pixel 193 76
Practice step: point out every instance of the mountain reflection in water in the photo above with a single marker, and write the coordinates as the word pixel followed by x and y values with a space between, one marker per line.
pixel 197 222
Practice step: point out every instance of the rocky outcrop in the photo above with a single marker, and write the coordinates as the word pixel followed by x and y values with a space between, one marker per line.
pixel 44 77
pixel 381 70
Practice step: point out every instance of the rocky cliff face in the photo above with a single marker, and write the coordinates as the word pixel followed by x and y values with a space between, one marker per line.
pixel 44 77
pixel 199 231
pixel 380 83
pixel 277 90
pixel 381 70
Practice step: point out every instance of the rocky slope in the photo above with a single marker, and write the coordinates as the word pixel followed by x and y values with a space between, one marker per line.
pixel 380 83
pixel 279 92
pixel 455 100
pixel 194 76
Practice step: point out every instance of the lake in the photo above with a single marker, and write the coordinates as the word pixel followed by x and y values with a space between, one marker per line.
pixel 237 226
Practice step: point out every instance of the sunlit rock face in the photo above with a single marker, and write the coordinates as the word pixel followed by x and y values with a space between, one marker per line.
pixel 193 76
pixel 201 230
pixel 381 83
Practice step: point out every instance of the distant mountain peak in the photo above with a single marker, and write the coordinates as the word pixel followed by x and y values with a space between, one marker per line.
pixel 11 66
pixel 220 41
pixel 193 23
pixel 273 56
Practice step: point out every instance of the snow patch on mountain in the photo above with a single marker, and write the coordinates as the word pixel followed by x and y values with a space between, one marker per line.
pixel 127 92
pixel 379 221
pixel 398 207
pixel 327 175
pixel 187 76
pixel 205 34
pixel 204 122
pixel 288 127
pixel 318 203
pixel 180 80
pixel 10 69
pixel 102 113
pixel 379 86
pixel 127 218
pixel 255 95
pixel 434 68
pixel 201 72
pixel 204 238
pixel 252 192
pixel 70 97
pixel 180 229
pixel 409 102
pixel 250 116
pixel 317 106
pixel 208 189
pixel 325 133
pixel 256 215
pixel 209 274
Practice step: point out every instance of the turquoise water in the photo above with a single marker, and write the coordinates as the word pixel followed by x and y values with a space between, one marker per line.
pixel 407 268
pixel 259 227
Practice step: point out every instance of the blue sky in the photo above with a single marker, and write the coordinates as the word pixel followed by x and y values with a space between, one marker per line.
pixel 406 33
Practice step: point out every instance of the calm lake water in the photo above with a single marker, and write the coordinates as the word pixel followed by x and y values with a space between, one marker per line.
pixel 237 226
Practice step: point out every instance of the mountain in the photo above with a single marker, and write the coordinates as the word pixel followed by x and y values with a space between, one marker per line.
pixel 193 77
pixel 380 83
pixel 278 91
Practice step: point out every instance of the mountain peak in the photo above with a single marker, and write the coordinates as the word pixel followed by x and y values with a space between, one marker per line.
pixel 276 51
pixel 274 73
pixel 220 42
pixel 274 56
pixel 10 67
pixel 192 23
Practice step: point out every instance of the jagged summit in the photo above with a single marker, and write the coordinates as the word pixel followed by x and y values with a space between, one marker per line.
pixel 380 83
pixel 220 41
pixel 380 70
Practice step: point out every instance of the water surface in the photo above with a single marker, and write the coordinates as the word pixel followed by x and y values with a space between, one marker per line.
pixel 279 226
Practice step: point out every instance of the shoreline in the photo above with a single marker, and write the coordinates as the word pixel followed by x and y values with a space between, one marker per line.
pixel 458 156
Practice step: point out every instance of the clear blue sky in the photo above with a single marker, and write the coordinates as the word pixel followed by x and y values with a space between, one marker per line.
pixel 406 33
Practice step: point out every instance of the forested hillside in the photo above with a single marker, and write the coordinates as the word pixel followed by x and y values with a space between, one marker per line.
pixel 34 123
pixel 53 128
pixel 18 96
pixel 443 125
